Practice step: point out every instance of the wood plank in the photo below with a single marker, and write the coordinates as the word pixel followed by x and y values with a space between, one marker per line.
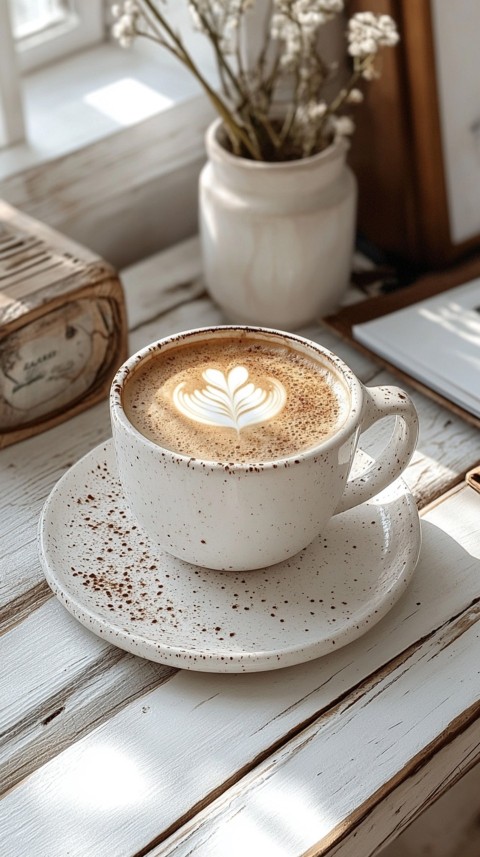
pixel 28 471
pixel 404 739
pixel 31 677
pixel 449 828
pixel 106 171
pixel 127 194
pixel 162 282
pixel 129 781
pixel 78 676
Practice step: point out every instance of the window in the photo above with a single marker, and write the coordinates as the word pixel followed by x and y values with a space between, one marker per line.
pixel 45 30
pixel 34 33
pixel 118 130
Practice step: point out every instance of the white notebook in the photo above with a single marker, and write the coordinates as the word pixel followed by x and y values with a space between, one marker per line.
pixel 436 341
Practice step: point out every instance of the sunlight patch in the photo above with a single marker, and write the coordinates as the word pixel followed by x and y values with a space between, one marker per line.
pixel 127 101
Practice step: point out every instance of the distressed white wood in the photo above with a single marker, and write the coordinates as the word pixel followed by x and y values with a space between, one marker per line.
pixel 54 689
pixel 305 797
pixel 173 747
pixel 28 471
pixel 422 787
pixel 32 678
pixel 160 283
pixel 450 828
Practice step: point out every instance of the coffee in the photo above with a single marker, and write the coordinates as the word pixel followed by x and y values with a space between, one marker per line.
pixel 235 399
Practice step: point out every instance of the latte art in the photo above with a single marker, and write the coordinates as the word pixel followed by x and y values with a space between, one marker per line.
pixel 228 400
pixel 243 399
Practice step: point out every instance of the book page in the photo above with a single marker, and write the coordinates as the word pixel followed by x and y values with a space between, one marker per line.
pixel 436 341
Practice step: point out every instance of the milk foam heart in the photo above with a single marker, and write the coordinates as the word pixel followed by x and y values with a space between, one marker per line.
pixel 230 400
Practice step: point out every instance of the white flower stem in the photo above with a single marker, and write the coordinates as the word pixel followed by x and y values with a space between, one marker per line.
pixel 342 96
pixel 234 129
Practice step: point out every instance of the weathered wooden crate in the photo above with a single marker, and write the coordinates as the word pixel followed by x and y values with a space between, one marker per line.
pixel 63 330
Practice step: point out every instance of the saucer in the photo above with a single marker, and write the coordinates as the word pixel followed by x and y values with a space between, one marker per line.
pixel 107 573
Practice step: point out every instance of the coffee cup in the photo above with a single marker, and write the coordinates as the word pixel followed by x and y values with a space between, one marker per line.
pixel 234 444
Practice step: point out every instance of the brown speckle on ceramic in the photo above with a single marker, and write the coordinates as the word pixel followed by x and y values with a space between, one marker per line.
pixel 101 565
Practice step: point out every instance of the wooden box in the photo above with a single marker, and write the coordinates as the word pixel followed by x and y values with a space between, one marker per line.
pixel 63 329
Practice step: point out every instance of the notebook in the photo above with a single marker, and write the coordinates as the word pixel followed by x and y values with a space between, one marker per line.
pixel 436 341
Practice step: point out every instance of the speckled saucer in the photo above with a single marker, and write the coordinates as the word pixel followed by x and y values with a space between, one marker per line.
pixel 101 565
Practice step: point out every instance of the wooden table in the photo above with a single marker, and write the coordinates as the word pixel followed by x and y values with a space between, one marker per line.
pixel 106 755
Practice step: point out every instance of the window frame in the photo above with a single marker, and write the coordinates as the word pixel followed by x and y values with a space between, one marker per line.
pixel 83 27
pixel 12 129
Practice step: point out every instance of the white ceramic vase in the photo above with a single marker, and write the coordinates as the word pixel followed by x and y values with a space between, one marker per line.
pixel 277 238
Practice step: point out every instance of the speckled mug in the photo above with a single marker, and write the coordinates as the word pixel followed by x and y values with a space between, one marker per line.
pixel 239 517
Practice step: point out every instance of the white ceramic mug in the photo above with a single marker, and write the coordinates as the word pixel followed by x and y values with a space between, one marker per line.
pixel 235 516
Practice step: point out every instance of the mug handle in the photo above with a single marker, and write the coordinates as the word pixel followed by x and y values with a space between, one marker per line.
pixel 380 402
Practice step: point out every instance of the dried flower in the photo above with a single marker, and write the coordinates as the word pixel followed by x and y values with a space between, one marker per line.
pixel 343 125
pixel 259 122
pixel 297 23
pixel 355 96
pixel 124 28
pixel 367 33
